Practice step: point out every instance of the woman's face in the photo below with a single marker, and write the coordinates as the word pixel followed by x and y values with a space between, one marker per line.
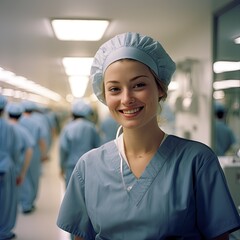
pixel 131 93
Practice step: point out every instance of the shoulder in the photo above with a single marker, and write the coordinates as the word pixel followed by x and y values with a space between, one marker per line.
pixel 190 151
pixel 187 144
pixel 98 157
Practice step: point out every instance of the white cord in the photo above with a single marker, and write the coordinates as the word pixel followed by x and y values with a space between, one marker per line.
pixel 121 159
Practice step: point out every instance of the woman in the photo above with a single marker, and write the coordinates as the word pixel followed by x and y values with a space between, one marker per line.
pixel 145 184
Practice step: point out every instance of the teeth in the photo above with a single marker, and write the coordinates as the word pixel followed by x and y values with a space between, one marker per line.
pixel 131 111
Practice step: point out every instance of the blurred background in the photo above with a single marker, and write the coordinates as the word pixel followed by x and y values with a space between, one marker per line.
pixel 40 64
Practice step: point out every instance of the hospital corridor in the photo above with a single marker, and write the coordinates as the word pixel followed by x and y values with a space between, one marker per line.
pixel 41 223
pixel 120 120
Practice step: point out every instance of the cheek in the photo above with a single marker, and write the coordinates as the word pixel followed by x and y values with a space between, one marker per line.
pixel 111 102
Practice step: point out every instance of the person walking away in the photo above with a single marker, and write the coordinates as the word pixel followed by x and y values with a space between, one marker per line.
pixel 9 151
pixel 30 187
pixel 76 138
pixel 225 139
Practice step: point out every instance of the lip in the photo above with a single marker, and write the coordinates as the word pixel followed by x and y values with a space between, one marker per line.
pixel 131 112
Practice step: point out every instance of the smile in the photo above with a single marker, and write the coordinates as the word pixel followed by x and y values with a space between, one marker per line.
pixel 131 111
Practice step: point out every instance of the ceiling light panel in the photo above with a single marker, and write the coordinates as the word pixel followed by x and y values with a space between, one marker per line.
pixel 226 66
pixel 78 85
pixel 77 65
pixel 237 40
pixel 79 30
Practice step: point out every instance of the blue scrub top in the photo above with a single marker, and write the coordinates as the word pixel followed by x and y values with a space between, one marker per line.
pixel 224 138
pixel 10 145
pixel 77 137
pixel 26 142
pixel 181 194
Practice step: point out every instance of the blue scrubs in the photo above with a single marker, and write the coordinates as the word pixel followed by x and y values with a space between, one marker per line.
pixel 30 186
pixel 27 142
pixel 224 137
pixel 181 194
pixel 9 152
pixel 77 137
pixel 108 129
pixel 46 131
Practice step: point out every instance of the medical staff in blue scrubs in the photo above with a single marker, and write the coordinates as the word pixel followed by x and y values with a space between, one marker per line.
pixel 146 184
pixel 9 153
pixel 46 130
pixel 77 137
pixel 15 111
pixel 225 139
pixel 30 186
pixel 108 127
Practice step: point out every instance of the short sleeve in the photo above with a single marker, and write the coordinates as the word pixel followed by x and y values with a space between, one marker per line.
pixel 73 216
pixel 216 212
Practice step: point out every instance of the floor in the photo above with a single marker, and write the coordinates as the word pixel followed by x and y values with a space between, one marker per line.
pixel 41 224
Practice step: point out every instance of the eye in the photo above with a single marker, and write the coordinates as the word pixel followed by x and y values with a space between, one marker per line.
pixel 113 89
pixel 140 85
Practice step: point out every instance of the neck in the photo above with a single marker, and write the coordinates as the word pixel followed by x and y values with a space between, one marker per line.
pixel 142 141
pixel 13 120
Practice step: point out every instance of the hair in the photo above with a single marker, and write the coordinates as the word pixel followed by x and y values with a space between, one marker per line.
pixel 76 116
pixel 220 114
pixel 15 116
pixel 160 85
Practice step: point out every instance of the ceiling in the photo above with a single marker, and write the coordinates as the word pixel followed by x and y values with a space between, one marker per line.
pixel 29 48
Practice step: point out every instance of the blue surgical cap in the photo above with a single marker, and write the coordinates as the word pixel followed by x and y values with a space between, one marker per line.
pixel 219 107
pixel 81 108
pixel 28 105
pixel 3 102
pixel 132 46
pixel 14 109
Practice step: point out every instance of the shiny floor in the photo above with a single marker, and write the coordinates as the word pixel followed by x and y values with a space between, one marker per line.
pixel 41 224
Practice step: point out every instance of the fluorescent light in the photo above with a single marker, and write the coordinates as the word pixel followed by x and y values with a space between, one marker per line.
pixel 225 84
pixel 78 85
pixel 225 66
pixel 23 83
pixel 77 66
pixel 237 40
pixel 218 94
pixel 5 74
pixel 173 86
pixel 79 30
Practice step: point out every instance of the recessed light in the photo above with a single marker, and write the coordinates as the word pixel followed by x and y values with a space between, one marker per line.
pixel 79 30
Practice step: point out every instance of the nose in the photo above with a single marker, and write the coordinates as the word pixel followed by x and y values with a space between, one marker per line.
pixel 127 97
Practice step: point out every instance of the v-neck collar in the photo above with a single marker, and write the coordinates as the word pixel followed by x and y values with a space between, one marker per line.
pixel 137 187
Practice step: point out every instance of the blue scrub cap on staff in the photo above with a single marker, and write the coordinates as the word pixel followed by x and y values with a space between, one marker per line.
pixel 133 46
pixel 14 109
pixel 219 107
pixel 81 108
pixel 3 102
pixel 29 105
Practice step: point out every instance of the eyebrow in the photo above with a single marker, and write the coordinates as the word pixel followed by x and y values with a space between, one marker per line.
pixel 131 80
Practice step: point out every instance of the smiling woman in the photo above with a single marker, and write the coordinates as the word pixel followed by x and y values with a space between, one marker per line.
pixel 131 93
pixel 147 184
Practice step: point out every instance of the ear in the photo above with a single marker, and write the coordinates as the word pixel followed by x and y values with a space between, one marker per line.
pixel 160 94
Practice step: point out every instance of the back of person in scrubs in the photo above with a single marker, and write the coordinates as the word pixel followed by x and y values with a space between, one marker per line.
pixel 146 184
pixel 77 137
pixel 30 186
pixel 108 128
pixel 9 153
pixel 15 111
pixel 224 136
